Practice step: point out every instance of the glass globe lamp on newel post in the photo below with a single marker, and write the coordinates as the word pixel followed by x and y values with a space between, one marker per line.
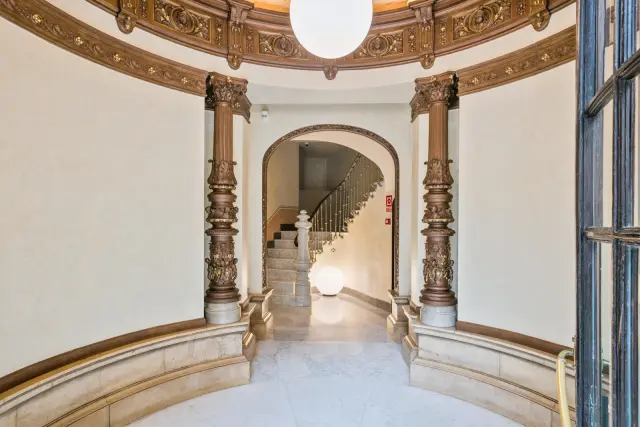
pixel 331 29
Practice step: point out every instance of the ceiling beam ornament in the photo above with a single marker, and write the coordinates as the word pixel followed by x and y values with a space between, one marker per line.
pixel 426 34
pixel 238 12
pixel 127 15
pixel 420 32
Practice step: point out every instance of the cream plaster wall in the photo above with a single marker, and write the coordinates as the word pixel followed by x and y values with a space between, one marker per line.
pixel 364 254
pixel 283 178
pixel 517 206
pixel 101 180
pixel 389 121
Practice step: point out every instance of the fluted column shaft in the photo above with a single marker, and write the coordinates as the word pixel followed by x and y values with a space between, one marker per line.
pixel 222 295
pixel 439 301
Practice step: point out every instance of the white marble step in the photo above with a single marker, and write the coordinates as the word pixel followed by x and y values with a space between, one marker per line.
pixel 278 274
pixel 281 263
pixel 282 253
pixel 284 244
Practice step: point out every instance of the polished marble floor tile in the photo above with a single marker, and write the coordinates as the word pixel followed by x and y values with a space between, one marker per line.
pixel 331 365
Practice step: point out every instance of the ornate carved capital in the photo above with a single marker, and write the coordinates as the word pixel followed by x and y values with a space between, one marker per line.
pixel 238 12
pixel 127 15
pixel 442 88
pixel 224 89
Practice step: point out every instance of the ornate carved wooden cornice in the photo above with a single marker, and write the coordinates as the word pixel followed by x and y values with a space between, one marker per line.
pixel 239 31
pixel 429 90
pixel 52 24
pixel 61 29
pixel 549 53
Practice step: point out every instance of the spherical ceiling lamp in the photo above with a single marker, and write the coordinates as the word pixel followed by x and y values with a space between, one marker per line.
pixel 329 281
pixel 331 29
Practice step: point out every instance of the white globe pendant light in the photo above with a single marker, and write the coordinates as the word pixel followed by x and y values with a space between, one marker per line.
pixel 331 29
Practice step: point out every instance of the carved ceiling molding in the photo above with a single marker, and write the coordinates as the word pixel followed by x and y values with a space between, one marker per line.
pixel 242 32
pixel 544 55
pixel 549 53
pixel 61 29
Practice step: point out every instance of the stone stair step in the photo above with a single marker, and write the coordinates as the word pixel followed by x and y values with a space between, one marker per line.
pixel 281 288
pixel 284 244
pixel 282 263
pixel 278 274
pixel 282 253
pixel 285 235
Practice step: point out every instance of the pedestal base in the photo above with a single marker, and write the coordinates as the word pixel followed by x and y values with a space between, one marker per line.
pixel 397 324
pixel 441 317
pixel 222 314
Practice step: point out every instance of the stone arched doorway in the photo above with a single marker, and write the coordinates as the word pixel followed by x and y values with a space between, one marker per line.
pixel 375 139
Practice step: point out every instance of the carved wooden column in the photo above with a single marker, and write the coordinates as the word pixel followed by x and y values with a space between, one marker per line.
pixel 439 302
pixel 222 296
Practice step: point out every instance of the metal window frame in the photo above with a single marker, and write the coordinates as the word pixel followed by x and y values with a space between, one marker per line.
pixel 593 95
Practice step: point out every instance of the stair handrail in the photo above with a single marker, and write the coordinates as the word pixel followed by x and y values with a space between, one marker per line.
pixel 346 176
pixel 346 204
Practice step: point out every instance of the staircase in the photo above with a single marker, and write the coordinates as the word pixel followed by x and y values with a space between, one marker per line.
pixel 330 221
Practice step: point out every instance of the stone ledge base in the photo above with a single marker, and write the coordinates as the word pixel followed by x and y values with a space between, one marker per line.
pixel 509 400
pixel 512 380
pixel 117 387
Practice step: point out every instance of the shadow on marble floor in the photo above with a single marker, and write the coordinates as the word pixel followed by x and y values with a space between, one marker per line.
pixel 331 366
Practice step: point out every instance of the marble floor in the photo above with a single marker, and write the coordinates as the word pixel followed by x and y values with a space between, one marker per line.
pixel 329 366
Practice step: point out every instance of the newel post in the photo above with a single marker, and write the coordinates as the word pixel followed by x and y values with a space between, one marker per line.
pixel 303 261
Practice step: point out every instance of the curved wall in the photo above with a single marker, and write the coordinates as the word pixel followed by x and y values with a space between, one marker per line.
pixel 101 179
pixel 516 208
